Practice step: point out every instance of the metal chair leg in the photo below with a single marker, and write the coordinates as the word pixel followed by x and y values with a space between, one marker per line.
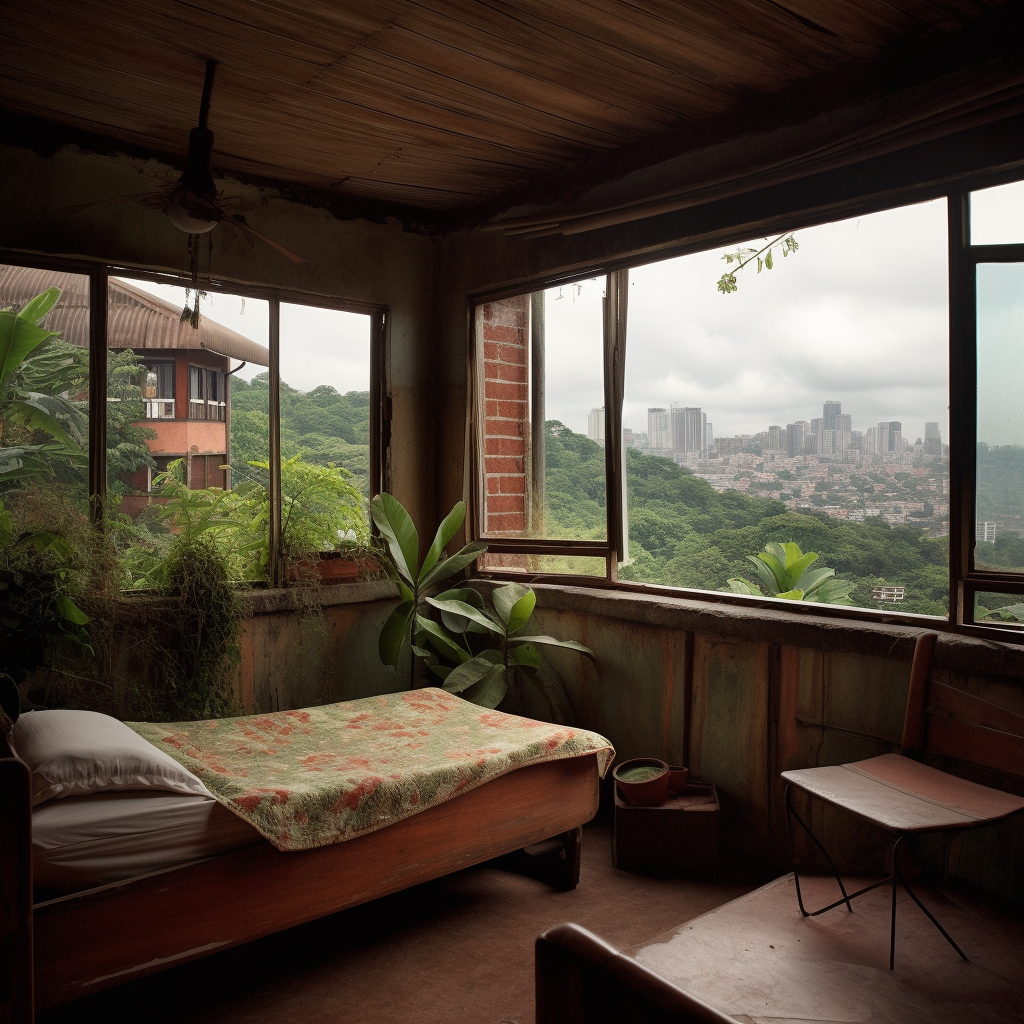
pixel 931 917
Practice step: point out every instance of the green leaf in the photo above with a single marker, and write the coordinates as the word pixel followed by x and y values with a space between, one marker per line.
pixel 17 339
pixel 421 652
pixel 67 608
pixel 739 586
pixel 505 599
pixel 441 671
pixel 441 642
pixel 471 672
pixel 490 691
pixel 32 411
pixel 768 260
pixel 397 528
pixel 467 611
pixel 463 557
pixel 448 528
pixel 40 306
pixel 760 264
pixel 394 633
pixel 527 655
pixel 791 595
pixel 457 623
pixel 521 612
pixel 550 641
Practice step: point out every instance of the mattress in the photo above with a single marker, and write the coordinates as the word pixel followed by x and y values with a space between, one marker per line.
pixel 82 842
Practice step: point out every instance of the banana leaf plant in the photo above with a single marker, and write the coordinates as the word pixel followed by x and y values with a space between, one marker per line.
pixel 785 571
pixel 20 403
pixel 516 659
pixel 415 578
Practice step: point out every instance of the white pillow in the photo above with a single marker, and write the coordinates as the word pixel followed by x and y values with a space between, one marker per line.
pixel 75 753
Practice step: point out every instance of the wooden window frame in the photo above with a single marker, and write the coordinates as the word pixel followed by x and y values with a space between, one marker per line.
pixel 99 274
pixel 964 579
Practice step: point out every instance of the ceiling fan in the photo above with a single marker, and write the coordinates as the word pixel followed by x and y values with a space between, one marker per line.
pixel 192 204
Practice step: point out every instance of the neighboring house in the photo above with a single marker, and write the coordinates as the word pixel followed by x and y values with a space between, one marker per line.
pixel 185 390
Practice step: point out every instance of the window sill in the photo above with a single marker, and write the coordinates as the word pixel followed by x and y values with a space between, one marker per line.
pixel 872 634
pixel 288 599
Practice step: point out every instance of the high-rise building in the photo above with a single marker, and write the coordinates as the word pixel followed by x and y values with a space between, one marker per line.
pixel 658 434
pixel 627 437
pixel 871 441
pixel 795 436
pixel 658 437
pixel 595 425
pixel 890 437
pixel 844 422
pixel 688 426
pixel 830 415
pixel 709 439
pixel 932 439
pixel 774 438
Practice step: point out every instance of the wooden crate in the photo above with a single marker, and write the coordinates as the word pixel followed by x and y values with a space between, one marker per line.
pixel 679 835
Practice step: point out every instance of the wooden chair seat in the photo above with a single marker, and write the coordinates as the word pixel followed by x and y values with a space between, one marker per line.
pixel 903 795
pixel 909 798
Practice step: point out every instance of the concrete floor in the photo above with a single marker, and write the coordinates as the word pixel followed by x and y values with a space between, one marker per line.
pixel 459 949
pixel 759 961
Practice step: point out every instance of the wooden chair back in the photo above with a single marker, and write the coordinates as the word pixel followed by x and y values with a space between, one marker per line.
pixel 944 720
pixel 581 979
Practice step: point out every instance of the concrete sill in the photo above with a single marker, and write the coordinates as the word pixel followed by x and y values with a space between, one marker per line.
pixel 827 632
pixel 298 599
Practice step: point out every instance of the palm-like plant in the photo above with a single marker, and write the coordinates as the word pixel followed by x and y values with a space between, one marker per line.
pixel 785 571
pixel 415 578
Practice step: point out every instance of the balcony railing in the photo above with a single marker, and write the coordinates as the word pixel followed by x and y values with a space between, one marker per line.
pixel 159 408
pixel 206 409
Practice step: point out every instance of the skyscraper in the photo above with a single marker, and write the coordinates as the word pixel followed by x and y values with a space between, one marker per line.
pixel 688 425
pixel 932 439
pixel 658 437
pixel 830 415
pixel 595 425
pixel 774 438
pixel 890 437
pixel 795 436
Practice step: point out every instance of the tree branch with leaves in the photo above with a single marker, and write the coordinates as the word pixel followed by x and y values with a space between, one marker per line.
pixel 784 243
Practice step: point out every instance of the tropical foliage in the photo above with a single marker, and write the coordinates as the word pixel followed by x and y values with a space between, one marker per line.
pixel 784 571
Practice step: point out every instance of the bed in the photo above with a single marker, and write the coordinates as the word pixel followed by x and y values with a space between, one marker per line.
pixel 162 877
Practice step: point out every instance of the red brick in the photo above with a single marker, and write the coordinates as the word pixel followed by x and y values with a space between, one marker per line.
pixel 511 373
pixel 508 410
pixel 504 446
pixel 491 350
pixel 503 390
pixel 506 503
pixel 504 428
pixel 501 332
pixel 510 484
pixel 515 354
pixel 493 409
pixel 493 484
pixel 497 464
pixel 510 522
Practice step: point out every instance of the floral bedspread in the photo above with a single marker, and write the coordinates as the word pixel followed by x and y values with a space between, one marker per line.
pixel 323 775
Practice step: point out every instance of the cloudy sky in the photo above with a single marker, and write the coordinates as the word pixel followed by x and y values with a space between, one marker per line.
pixel 318 346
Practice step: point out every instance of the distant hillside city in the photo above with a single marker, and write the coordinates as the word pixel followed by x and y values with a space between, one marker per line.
pixel 821 464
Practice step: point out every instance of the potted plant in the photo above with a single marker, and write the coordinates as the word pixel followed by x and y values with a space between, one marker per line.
pixel 481 651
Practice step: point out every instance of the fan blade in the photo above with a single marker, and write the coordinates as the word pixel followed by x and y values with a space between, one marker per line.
pixel 119 199
pixel 242 226
pixel 232 232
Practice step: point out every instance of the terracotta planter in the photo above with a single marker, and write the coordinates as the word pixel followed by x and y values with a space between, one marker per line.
pixel 647 781
pixel 335 567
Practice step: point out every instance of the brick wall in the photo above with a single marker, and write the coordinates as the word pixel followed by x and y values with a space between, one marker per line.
pixel 506 352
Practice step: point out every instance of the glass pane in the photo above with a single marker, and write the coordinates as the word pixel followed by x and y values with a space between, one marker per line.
pixel 44 403
pixel 999 526
pixel 997 215
pixel 542 359
pixel 807 407
pixel 172 433
pixel 325 429
pixel 999 610
pixel 566 565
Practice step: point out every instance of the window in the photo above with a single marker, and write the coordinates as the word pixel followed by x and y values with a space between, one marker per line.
pixel 813 406
pixel 165 401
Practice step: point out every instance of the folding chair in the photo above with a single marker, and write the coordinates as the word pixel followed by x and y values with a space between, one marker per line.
pixel 908 798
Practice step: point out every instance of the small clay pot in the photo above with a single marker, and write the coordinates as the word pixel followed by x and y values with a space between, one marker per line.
pixel 661 782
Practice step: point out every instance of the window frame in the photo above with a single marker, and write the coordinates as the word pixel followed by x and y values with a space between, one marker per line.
pixel 100 272
pixel 963 258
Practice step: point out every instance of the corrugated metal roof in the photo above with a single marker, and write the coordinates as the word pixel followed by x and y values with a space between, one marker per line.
pixel 135 319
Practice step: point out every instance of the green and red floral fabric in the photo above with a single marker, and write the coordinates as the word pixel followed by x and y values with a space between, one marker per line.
pixel 323 775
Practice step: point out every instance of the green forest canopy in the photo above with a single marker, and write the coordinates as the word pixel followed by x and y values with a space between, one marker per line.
pixel 684 533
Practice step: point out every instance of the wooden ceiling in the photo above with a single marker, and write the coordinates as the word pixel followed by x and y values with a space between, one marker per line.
pixel 437 104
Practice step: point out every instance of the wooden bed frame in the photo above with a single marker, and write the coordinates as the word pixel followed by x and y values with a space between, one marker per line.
pixel 87 941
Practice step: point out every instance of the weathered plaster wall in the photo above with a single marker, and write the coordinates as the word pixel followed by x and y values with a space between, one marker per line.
pixel 741 695
pixel 354 260
pixel 304 648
